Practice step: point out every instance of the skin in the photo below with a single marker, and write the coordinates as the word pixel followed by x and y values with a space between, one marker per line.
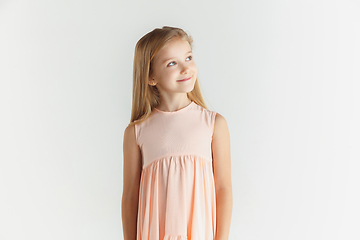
pixel 222 175
pixel 174 62
pixel 131 183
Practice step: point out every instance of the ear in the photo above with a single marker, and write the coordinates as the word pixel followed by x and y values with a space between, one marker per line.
pixel 151 81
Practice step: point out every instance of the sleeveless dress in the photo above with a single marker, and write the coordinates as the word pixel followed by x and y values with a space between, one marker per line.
pixel 177 188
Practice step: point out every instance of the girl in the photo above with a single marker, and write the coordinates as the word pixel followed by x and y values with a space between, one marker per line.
pixel 177 181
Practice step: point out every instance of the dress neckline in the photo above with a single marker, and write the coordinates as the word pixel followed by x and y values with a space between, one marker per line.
pixel 176 111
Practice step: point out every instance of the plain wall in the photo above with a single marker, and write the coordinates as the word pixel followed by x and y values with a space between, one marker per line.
pixel 285 75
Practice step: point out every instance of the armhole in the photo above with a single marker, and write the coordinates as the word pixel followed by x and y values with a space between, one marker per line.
pixel 213 116
pixel 136 134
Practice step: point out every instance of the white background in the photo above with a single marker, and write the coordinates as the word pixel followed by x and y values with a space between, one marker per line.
pixel 285 75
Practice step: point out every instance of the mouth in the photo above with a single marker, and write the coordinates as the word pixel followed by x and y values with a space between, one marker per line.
pixel 185 79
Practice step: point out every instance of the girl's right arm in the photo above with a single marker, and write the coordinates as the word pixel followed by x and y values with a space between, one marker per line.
pixel 131 182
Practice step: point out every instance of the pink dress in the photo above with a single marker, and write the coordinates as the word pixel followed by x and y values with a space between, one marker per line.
pixel 177 189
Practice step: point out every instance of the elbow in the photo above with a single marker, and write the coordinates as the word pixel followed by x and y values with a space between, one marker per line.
pixel 130 198
pixel 224 192
pixel 129 204
pixel 224 189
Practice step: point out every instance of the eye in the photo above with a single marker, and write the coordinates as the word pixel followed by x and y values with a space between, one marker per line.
pixel 171 64
pixel 189 57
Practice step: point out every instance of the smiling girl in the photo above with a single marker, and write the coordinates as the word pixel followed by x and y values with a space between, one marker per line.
pixel 176 172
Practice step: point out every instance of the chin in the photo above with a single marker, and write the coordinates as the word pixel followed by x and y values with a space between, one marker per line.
pixel 190 88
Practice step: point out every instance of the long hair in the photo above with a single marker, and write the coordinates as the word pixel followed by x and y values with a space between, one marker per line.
pixel 144 96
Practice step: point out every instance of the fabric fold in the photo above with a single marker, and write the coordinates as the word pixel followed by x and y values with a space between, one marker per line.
pixel 180 237
pixel 177 199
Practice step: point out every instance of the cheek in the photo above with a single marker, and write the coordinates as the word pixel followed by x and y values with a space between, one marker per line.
pixel 194 68
pixel 193 65
pixel 168 74
pixel 172 72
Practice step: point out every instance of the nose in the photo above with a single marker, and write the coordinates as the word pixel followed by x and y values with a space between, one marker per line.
pixel 185 69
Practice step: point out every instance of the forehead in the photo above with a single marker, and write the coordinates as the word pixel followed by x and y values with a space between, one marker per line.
pixel 174 48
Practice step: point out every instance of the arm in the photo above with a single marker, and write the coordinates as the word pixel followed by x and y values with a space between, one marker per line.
pixel 222 175
pixel 131 183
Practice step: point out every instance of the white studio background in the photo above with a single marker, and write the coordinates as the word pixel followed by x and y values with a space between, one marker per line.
pixel 285 75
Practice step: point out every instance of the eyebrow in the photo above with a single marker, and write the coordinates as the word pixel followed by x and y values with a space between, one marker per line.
pixel 172 57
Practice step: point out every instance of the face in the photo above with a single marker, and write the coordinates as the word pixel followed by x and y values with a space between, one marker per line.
pixel 174 69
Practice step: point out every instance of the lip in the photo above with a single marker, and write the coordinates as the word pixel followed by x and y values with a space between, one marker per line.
pixel 185 79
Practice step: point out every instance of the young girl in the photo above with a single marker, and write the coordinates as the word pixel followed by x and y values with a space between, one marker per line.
pixel 177 181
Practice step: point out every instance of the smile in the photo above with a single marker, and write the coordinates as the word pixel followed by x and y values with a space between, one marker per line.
pixel 185 79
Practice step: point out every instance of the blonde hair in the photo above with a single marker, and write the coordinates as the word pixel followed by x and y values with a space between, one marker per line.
pixel 144 96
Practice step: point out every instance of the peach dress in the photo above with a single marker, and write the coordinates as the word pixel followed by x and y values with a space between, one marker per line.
pixel 177 189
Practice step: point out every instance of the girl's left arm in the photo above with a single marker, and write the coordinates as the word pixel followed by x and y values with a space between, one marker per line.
pixel 222 175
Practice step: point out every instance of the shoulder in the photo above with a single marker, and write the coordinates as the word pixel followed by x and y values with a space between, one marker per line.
pixel 129 129
pixel 220 125
pixel 219 119
pixel 129 133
